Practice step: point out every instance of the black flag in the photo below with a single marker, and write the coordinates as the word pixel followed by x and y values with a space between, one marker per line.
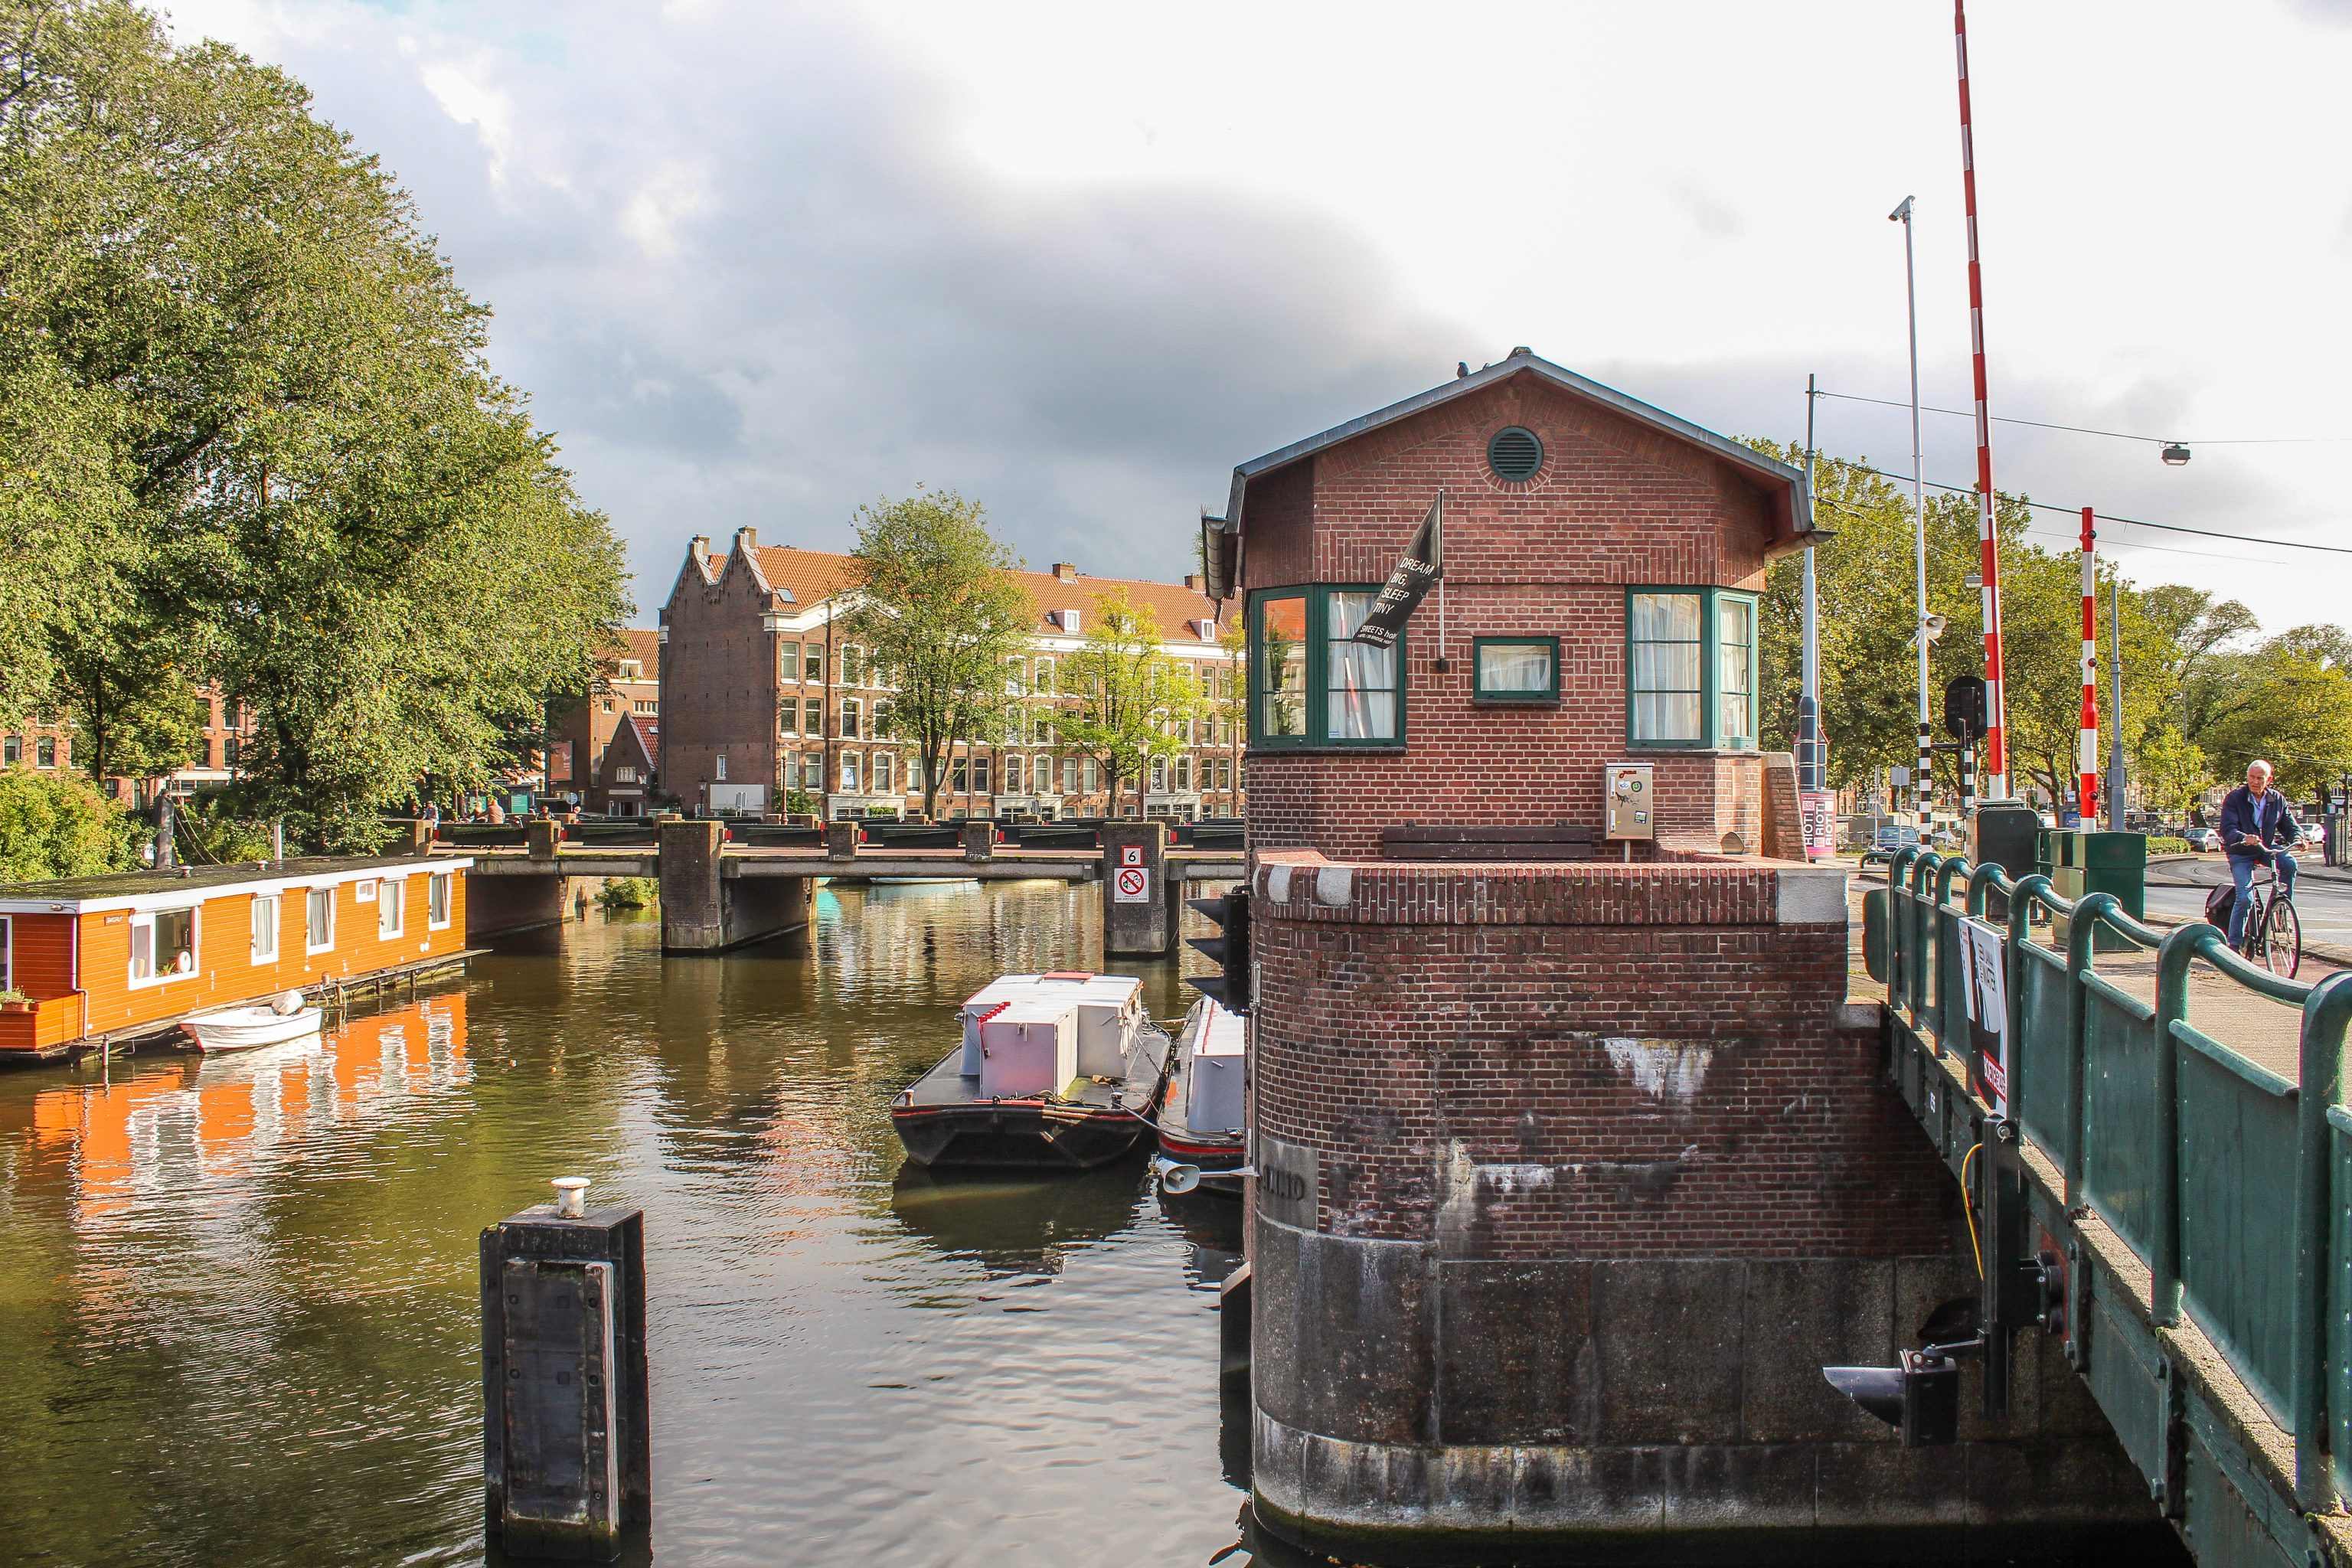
pixel 1422 563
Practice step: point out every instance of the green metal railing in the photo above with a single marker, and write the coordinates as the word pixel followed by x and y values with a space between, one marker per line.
pixel 2232 1183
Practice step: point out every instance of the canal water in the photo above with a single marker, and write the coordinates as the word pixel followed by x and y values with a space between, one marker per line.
pixel 238 1318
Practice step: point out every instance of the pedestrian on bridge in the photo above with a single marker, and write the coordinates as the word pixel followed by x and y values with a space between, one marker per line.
pixel 2256 827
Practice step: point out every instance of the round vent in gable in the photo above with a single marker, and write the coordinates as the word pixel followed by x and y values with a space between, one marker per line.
pixel 1515 454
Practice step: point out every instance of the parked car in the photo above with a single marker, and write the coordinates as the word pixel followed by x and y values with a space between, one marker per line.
pixel 2204 838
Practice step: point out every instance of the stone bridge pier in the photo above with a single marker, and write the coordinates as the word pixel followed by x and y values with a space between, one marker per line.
pixel 708 905
pixel 1572 1177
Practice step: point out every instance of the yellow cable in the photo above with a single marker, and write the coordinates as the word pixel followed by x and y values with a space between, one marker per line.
pixel 1969 1203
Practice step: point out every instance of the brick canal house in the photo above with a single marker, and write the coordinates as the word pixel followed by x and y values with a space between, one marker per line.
pixel 1574 1170
pixel 761 697
pixel 221 731
pixel 604 744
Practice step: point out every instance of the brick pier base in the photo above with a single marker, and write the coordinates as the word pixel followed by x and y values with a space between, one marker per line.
pixel 1604 1172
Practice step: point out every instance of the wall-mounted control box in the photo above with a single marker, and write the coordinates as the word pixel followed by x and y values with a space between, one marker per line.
pixel 1631 801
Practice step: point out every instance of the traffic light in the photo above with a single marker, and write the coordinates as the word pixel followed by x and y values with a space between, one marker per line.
pixel 1920 1397
pixel 1964 715
pixel 1231 950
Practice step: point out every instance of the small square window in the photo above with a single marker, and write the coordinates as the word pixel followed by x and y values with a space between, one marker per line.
pixel 1516 669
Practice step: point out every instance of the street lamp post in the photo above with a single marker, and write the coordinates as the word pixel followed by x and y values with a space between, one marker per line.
pixel 1921 779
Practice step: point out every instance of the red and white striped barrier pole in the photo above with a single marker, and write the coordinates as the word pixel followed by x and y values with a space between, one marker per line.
pixel 2087 760
pixel 1988 545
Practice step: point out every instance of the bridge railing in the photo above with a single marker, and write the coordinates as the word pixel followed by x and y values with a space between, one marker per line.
pixel 2233 1185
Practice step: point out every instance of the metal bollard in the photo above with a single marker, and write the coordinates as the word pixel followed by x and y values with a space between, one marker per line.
pixel 565 1448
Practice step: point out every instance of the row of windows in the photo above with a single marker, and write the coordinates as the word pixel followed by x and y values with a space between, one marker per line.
pixel 168 944
pixel 1690 670
pixel 882 772
pixel 799 664
pixel 636 705
pixel 12 751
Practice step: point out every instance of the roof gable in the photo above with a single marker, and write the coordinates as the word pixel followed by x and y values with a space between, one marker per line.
pixel 1791 503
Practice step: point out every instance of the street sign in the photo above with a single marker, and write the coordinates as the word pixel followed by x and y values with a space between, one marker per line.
pixel 1130 854
pixel 1133 886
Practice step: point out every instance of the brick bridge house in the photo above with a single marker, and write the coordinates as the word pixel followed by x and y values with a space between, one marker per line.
pixel 1598 1167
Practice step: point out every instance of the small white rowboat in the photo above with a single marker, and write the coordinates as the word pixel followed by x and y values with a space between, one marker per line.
pixel 245 1028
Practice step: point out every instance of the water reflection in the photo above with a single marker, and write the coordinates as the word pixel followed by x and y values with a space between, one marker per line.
pixel 236 1294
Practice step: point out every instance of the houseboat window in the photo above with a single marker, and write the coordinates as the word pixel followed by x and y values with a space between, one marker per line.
pixel 264 929
pixel 392 908
pixel 1691 667
pixel 319 928
pixel 1282 669
pixel 788 662
pixel 163 944
pixel 436 899
pixel 1735 640
pixel 1662 634
pixel 1516 669
pixel 7 954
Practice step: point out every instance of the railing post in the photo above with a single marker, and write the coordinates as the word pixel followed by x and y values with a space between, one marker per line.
pixel 1898 927
pixel 2021 898
pixel 1921 870
pixel 2325 1013
pixel 2172 961
pixel 2079 961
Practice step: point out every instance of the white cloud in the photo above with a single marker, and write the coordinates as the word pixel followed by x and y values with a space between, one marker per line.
pixel 758 264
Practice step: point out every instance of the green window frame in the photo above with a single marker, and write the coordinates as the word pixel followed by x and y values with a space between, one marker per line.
pixel 1521 695
pixel 1691 668
pixel 1319 691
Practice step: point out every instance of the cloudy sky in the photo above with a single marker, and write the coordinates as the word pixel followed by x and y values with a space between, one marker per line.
pixel 757 263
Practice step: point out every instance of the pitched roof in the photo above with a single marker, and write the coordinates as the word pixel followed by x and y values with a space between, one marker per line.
pixel 649 734
pixel 811 576
pixel 1792 510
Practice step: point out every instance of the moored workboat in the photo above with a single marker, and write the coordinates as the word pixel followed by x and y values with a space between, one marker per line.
pixel 1200 1124
pixel 1058 1071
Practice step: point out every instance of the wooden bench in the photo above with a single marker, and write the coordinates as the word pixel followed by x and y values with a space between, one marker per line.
pixel 1455 841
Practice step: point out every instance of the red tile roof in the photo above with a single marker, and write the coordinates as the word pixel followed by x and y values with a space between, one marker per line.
pixel 649 734
pixel 813 575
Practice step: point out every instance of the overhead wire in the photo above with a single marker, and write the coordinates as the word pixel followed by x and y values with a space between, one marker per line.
pixel 2127 521
pixel 2115 434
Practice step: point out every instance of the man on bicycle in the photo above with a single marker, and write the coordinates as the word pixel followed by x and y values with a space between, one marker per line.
pixel 2256 826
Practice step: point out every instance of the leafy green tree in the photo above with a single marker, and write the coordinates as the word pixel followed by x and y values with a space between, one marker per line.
pixel 1131 699
pixel 2172 772
pixel 267 383
pixel 129 690
pixel 60 825
pixel 933 603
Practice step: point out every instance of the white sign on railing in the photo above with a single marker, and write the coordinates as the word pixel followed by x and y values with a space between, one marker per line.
pixel 1982 952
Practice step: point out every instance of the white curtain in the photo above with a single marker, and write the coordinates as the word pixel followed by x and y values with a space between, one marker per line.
pixel 1665 645
pixel 1363 680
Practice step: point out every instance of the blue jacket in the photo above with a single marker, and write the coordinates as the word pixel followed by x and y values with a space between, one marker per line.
pixel 2271 822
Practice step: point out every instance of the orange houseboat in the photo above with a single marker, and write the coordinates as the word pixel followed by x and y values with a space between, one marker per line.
pixel 97 958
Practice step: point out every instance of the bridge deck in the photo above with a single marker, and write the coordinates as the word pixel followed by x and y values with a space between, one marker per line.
pixel 1064 865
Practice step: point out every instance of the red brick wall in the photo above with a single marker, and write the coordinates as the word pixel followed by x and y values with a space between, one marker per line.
pixel 1444 1039
pixel 1615 504
pixel 719 688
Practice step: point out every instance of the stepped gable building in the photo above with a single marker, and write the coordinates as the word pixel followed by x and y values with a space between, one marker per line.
pixel 763 698
pixel 598 752
pixel 1574 1169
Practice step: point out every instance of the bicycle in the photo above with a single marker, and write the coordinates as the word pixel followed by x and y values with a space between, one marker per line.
pixel 2273 931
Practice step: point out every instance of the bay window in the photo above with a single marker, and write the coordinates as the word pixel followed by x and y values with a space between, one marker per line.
pixel 1690 669
pixel 1311 683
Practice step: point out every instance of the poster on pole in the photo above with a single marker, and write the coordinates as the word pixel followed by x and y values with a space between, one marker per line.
pixel 1982 949
pixel 1817 810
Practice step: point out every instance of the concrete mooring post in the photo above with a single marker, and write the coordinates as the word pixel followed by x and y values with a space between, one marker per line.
pixel 1136 918
pixel 566 1448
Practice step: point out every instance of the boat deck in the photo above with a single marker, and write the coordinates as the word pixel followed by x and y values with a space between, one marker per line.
pixel 946 1084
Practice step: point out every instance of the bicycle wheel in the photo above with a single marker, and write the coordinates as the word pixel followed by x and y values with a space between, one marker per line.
pixel 2281 944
